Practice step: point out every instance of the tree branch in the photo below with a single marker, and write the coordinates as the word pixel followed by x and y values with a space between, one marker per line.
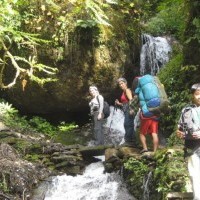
pixel 16 66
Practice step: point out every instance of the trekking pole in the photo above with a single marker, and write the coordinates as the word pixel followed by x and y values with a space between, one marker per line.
pixel 115 108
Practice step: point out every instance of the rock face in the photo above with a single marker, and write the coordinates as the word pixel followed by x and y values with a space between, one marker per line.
pixel 18 175
pixel 70 92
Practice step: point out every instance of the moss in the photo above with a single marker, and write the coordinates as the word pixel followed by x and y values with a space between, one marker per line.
pixel 32 158
pixel 69 138
pixel 135 171
pixel 166 172
pixel 171 173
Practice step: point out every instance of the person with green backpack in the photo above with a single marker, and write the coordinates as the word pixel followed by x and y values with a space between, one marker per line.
pixel 153 103
pixel 189 130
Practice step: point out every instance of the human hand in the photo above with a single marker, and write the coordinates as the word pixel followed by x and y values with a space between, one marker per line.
pixel 99 116
pixel 196 135
pixel 117 102
pixel 131 112
pixel 180 134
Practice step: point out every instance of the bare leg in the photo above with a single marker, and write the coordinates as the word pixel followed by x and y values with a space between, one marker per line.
pixel 143 141
pixel 155 141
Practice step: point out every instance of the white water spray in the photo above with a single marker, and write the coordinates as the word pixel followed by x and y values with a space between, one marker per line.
pixel 92 185
pixel 154 54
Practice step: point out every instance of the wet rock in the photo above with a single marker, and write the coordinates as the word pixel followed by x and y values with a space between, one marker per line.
pixel 129 152
pixel 111 155
pixel 17 175
pixel 94 150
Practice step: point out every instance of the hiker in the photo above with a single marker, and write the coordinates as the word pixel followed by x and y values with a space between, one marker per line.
pixel 148 120
pixel 148 125
pixel 129 137
pixel 189 130
pixel 96 111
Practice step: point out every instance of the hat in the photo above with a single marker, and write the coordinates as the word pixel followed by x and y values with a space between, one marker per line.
pixel 122 79
pixel 195 87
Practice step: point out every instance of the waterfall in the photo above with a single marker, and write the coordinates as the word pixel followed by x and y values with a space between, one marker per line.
pixel 154 54
pixel 146 183
pixel 94 184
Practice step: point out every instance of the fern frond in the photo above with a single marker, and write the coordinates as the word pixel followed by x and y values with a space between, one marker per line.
pixel 96 12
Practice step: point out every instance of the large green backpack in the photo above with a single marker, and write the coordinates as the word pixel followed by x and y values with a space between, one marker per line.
pixel 152 96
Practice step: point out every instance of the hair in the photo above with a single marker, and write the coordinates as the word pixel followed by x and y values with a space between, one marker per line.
pixel 92 87
pixel 195 87
pixel 122 79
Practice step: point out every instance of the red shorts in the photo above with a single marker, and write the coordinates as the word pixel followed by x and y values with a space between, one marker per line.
pixel 148 125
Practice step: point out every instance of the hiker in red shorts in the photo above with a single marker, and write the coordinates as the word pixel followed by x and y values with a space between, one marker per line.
pixel 148 125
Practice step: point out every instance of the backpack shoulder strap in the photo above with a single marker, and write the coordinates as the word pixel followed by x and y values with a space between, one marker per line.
pixel 98 100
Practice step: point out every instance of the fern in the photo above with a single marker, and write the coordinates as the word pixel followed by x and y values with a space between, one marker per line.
pixel 94 8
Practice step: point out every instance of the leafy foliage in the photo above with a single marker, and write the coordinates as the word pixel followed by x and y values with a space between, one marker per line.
pixel 36 124
pixel 177 82
pixel 6 109
pixel 41 125
pixel 66 126
pixel 196 36
pixel 165 172
pixel 171 172
pixel 192 32
pixel 138 169
pixel 169 19
pixel 12 36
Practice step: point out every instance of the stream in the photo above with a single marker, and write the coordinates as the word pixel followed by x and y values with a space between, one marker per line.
pixel 94 184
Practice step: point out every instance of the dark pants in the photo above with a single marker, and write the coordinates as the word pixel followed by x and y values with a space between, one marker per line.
pixel 98 129
pixel 129 127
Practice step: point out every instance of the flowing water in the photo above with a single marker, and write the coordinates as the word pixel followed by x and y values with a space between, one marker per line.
pixel 94 184
pixel 154 54
pixel 146 186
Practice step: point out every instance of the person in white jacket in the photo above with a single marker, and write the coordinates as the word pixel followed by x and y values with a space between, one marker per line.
pixel 189 129
pixel 96 111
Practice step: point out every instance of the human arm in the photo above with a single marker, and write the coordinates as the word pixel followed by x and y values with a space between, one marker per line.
pixel 180 132
pixel 118 103
pixel 101 102
pixel 129 94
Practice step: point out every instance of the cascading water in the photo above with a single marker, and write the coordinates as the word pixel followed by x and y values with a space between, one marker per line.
pixel 146 184
pixel 154 54
pixel 94 184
